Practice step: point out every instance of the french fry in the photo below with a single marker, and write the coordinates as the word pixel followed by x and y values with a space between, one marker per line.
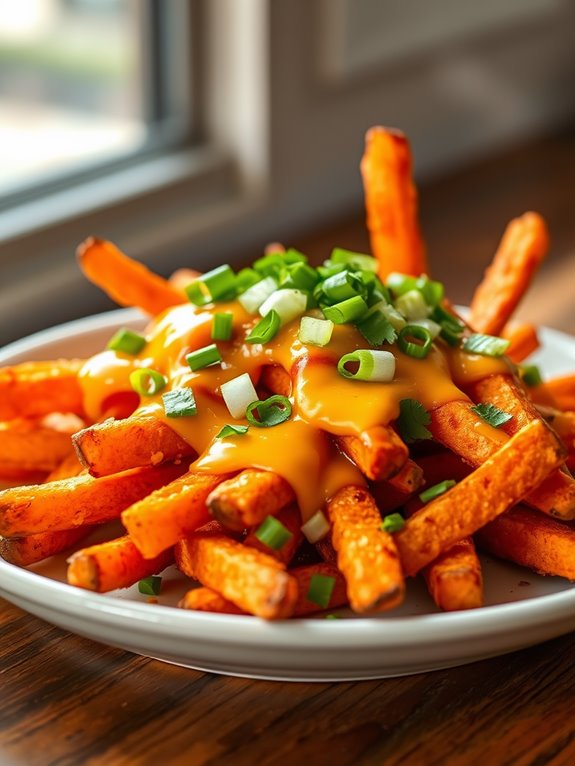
pixel 522 249
pixel 255 582
pixel 204 599
pixel 366 555
pixel 531 539
pixel 167 515
pixel 523 340
pixel 27 446
pixel 126 281
pixel 455 426
pixel 117 445
pixel 326 550
pixel 246 499
pixel 391 203
pixel 28 550
pixel 74 502
pixel 409 479
pixel 379 453
pixel 290 517
pixel 503 480
pixel 563 423
pixel 560 391
pixel 33 389
pixel 70 466
pixel 454 578
pixel 113 564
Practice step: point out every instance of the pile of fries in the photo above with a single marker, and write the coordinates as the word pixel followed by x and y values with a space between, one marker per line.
pixel 297 439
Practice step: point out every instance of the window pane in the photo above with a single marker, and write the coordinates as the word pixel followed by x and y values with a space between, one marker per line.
pixel 70 86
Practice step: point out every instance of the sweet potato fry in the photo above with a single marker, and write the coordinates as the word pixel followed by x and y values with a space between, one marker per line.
pixel 522 249
pixel 409 479
pixel 254 581
pixel 117 445
pixel 532 540
pixel 158 521
pixel 27 446
pixel 391 203
pixel 458 428
pixel 560 390
pixel 366 555
pixel 379 453
pixel 326 550
pixel 113 564
pixel 523 340
pixel 69 467
pixel 28 550
pixel 503 480
pixel 454 579
pixel 276 379
pixel 127 282
pixel 70 503
pixel 33 389
pixel 563 423
pixel 204 599
pixel 248 498
pixel 290 517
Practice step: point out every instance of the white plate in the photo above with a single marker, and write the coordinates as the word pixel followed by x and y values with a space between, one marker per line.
pixel 523 609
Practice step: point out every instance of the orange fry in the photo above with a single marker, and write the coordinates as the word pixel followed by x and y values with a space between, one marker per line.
pixel 391 203
pixel 28 550
pixel 248 498
pixel 454 579
pixel 532 540
pixel 523 340
pixel 77 501
pixel 127 282
pixel 255 582
pixel 117 445
pixel 159 520
pixel 113 564
pixel 27 446
pixel 561 391
pixel 204 599
pixel 379 453
pixel 563 423
pixel 505 478
pixel 33 389
pixel 366 555
pixel 522 249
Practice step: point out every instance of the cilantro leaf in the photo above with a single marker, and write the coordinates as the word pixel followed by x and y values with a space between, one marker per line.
pixel 413 417
pixel 491 414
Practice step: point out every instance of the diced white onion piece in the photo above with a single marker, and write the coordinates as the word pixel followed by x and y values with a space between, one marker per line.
pixel 412 305
pixel 432 327
pixel 288 303
pixel 392 315
pixel 255 295
pixel 316 527
pixel 237 394
pixel 316 332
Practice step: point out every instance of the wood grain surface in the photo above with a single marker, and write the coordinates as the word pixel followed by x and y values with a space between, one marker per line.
pixel 66 701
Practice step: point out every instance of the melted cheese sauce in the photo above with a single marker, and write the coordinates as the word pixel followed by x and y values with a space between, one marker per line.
pixel 323 401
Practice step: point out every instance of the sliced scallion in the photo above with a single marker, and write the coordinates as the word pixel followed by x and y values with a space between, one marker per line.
pixel 127 341
pixel 270 412
pixel 358 260
pixel 147 382
pixel 222 325
pixel 347 311
pixel 272 533
pixel 256 294
pixel 485 345
pixel 316 527
pixel 412 305
pixel 150 586
pixel 315 332
pixel 288 304
pixel 231 430
pixel 203 357
pixel 371 365
pixel 531 375
pixel 394 522
pixel 179 403
pixel 438 489
pixel 266 329
pixel 415 341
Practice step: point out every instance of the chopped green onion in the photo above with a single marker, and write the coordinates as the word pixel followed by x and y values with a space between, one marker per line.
pixel 438 489
pixel 320 590
pixel 332 617
pixel 329 269
pixel 230 430
pixel 150 586
pixel 392 315
pixel 531 375
pixel 197 294
pixel 442 316
pixel 270 412
pixel 372 365
pixel 428 324
pixel 412 305
pixel 246 278
pixel 432 291
pixel 269 265
pixel 237 394
pixel 203 357
pixel 341 286
pixel 376 329
pixel 127 341
pixel 316 332
pixel 413 419
pixel 222 325
pixel 486 345
pixel 219 282
pixel 288 304
pixel 450 335
pixel 393 523
pixel 272 533
pixel 316 527
pixel 411 333
pixel 358 260
pixel 400 283
pixel 147 382
pixel 492 414
pixel 265 329
pixel 255 295
pixel 300 276
pixel 292 255
pixel 179 403
pixel 346 311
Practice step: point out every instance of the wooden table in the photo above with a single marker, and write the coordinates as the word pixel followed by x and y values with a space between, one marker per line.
pixel 67 701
